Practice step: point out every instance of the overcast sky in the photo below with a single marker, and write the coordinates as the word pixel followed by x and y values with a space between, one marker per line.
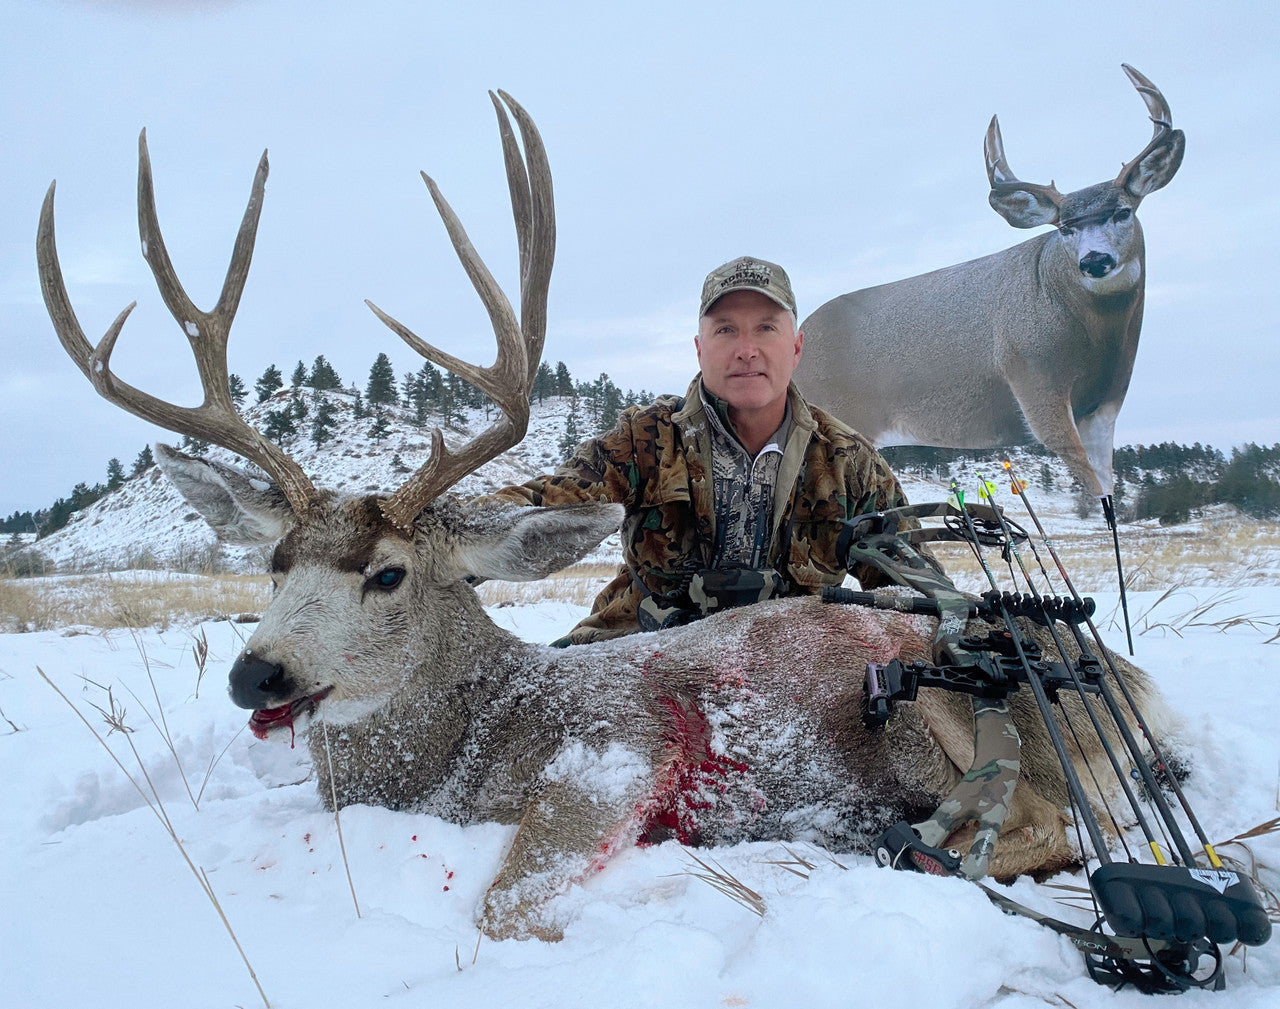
pixel 843 141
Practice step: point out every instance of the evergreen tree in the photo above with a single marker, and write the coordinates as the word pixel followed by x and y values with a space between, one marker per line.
pixel 268 383
pixel 297 406
pixel 322 375
pixel 420 396
pixel 572 431
pixel 397 464
pixel 380 428
pixel 564 383
pixel 195 446
pixel 144 461
pixel 1046 477
pixel 608 404
pixel 382 382
pixel 357 407
pixel 544 383
pixel 299 375
pixel 323 419
pixel 115 474
pixel 279 425
pixel 237 389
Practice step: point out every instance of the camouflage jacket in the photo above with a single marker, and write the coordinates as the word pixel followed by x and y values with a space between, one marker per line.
pixel 657 463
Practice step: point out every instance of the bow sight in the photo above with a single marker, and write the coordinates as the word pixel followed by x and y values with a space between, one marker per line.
pixel 1157 922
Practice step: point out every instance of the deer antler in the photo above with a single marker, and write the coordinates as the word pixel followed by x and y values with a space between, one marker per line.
pixel 508 380
pixel 1001 176
pixel 216 419
pixel 1161 117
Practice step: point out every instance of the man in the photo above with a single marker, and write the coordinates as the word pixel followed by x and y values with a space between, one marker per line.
pixel 735 492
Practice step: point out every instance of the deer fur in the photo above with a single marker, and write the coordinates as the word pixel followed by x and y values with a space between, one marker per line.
pixel 1039 339
pixel 743 726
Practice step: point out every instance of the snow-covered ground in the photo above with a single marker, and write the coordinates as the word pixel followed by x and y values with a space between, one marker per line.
pixel 101 910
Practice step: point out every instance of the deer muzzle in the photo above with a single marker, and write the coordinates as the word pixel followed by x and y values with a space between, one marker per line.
pixel 1097 264
pixel 256 683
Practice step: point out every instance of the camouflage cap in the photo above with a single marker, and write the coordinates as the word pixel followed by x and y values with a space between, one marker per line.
pixel 748 274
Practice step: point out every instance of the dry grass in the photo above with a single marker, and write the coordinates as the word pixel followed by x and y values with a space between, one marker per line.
pixel 579 584
pixel 135 599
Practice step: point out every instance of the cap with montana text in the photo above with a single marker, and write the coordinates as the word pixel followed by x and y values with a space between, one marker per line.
pixel 748 274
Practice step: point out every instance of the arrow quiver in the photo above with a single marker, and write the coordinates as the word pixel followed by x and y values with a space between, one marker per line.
pixel 1164 920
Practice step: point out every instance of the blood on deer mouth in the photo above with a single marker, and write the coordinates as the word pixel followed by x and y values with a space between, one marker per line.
pixel 264 720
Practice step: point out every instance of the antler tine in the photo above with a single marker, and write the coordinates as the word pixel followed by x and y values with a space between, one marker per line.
pixel 216 419
pixel 1001 176
pixel 508 381
pixel 535 267
pixel 1161 118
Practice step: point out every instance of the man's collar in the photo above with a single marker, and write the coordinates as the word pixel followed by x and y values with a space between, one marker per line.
pixel 717 411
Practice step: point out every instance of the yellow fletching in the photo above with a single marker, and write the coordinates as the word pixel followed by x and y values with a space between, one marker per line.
pixel 1018 486
pixel 1155 850
pixel 1214 860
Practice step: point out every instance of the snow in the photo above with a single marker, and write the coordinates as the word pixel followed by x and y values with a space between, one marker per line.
pixel 102 911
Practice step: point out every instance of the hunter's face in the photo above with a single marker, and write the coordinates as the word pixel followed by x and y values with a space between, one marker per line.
pixel 748 348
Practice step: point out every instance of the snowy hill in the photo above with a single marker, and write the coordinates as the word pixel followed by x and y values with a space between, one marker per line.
pixel 146 523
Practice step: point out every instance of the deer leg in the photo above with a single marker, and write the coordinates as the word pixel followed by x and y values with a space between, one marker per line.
pixel 1048 412
pixel 566 832
pixel 1097 434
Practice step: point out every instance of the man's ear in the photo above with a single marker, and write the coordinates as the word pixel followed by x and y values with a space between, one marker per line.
pixel 242 509
pixel 799 344
pixel 515 544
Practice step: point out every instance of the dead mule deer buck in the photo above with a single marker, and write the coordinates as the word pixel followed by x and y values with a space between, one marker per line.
pixel 744 726
pixel 1041 336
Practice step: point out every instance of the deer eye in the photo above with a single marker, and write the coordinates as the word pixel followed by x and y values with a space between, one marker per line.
pixel 1067 230
pixel 386 579
pixel 1123 214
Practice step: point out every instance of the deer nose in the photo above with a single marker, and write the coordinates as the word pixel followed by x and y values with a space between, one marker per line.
pixel 256 683
pixel 1097 264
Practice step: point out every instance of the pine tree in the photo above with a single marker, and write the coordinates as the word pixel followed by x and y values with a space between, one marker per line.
pixel 268 383
pixel 297 406
pixel 564 383
pixel 196 446
pixel 419 395
pixel 237 389
pixel 144 461
pixel 299 375
pixel 544 383
pixel 382 382
pixel 115 474
pixel 380 428
pixel 322 375
pixel 1046 477
pixel 323 420
pixel 279 425
pixel 608 405
pixel 572 431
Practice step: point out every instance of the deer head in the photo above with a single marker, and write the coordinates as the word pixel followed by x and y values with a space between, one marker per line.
pixel 1097 225
pixel 366 588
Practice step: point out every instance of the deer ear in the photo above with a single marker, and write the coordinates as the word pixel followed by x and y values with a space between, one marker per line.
pixel 1023 208
pixel 516 544
pixel 242 509
pixel 1157 167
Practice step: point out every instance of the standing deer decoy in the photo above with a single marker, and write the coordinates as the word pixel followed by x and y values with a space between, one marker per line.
pixel 746 725
pixel 1041 336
